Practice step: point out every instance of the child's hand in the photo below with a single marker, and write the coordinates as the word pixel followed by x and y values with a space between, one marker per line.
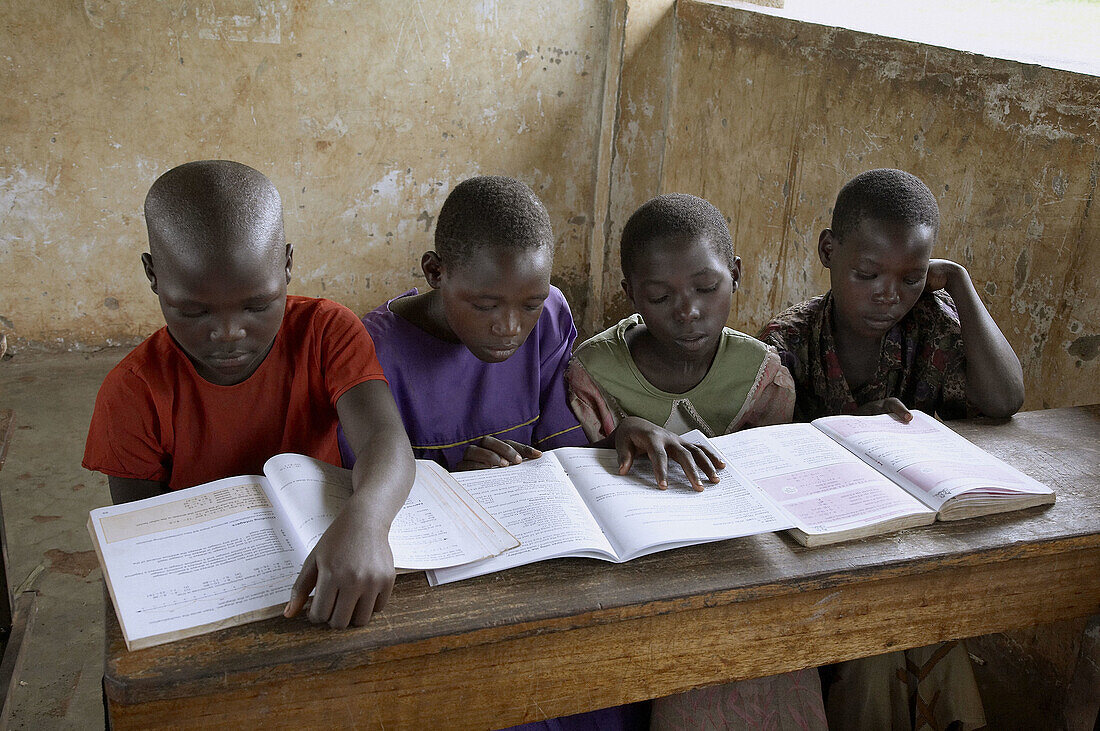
pixel 941 273
pixel 886 406
pixel 352 569
pixel 492 452
pixel 636 437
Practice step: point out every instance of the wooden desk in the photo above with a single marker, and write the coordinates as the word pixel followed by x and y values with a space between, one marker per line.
pixel 570 635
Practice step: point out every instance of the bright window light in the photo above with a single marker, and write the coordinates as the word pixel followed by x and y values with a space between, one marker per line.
pixel 1063 34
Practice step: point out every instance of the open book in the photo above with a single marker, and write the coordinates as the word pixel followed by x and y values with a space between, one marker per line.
pixel 572 501
pixel 228 552
pixel 838 478
pixel 843 477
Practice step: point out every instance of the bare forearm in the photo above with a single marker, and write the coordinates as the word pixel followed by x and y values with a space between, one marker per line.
pixel 352 566
pixel 994 378
pixel 384 466
pixel 382 477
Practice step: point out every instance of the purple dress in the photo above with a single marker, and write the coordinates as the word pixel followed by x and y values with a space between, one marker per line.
pixel 449 399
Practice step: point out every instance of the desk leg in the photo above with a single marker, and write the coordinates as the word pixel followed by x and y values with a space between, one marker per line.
pixel 1083 697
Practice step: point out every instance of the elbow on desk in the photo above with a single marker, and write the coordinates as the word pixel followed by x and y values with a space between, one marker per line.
pixel 1003 404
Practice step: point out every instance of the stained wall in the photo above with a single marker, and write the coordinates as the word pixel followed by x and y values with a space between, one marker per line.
pixel 768 117
pixel 363 114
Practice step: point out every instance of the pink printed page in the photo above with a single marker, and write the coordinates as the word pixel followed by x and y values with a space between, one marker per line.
pixel 927 458
pixel 930 475
pixel 848 426
pixel 843 496
pixel 824 487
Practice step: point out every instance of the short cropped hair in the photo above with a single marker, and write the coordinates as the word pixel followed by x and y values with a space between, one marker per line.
pixel 674 215
pixel 207 205
pixel 884 195
pixel 491 211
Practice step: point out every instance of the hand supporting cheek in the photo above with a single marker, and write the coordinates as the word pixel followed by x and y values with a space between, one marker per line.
pixel 492 452
pixel 891 406
pixel 942 273
pixel 636 437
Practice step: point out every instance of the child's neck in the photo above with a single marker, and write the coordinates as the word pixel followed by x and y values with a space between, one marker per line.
pixel 858 356
pixel 666 370
pixel 424 311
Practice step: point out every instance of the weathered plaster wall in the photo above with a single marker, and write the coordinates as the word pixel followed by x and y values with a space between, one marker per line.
pixel 769 117
pixel 644 86
pixel 363 114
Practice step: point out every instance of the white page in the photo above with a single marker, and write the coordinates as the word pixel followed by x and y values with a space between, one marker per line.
pixel 928 459
pixel 824 487
pixel 537 505
pixel 639 519
pixel 196 557
pixel 434 527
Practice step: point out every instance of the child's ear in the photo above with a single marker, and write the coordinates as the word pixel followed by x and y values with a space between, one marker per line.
pixel 826 246
pixel 432 267
pixel 735 272
pixel 150 274
pixel 628 289
pixel 289 261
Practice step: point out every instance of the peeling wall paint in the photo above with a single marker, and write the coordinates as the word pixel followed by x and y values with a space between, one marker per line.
pixel 364 115
pixel 769 117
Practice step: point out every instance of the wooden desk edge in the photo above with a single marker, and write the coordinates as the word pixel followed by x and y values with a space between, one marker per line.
pixel 543 675
pixel 348 651
pixel 493 675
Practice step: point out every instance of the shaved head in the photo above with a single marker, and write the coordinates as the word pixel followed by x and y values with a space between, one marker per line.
pixel 213 211
pixel 219 264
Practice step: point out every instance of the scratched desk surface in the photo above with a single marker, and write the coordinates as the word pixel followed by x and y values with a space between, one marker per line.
pixel 1057 447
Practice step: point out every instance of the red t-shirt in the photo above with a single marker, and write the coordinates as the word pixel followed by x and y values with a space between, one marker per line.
pixel 157 419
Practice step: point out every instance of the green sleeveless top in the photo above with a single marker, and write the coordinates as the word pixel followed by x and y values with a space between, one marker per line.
pixel 712 406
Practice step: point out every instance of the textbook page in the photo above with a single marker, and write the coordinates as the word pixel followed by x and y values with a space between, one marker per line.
pixel 823 486
pixel 195 560
pixel 928 459
pixel 538 505
pixel 437 526
pixel 640 519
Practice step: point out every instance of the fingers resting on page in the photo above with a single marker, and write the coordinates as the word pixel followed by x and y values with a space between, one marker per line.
pixel 492 452
pixel 891 406
pixel 350 571
pixel 636 437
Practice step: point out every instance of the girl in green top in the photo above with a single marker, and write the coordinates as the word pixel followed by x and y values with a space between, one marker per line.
pixel 676 364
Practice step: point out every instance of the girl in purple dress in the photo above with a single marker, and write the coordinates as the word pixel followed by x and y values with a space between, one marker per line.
pixel 476 362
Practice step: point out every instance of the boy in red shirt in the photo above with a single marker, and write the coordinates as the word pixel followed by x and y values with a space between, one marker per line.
pixel 242 371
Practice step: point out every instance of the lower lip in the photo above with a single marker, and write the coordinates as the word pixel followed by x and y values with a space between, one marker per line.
pixel 692 343
pixel 230 364
pixel 499 354
pixel 880 323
